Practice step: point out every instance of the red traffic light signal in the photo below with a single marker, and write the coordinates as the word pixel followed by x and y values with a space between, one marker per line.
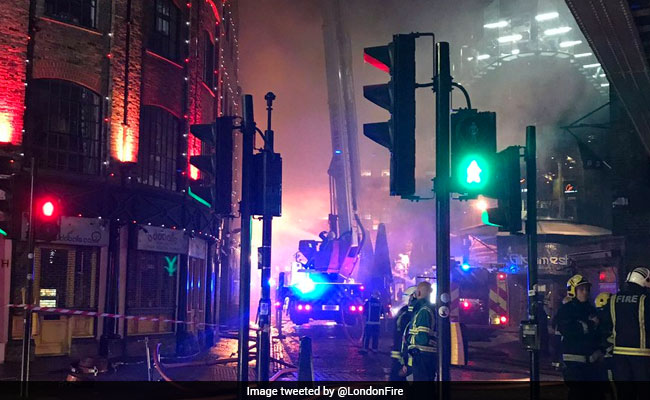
pixel 48 208
pixel 47 224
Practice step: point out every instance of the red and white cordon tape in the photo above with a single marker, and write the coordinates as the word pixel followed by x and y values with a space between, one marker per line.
pixel 67 311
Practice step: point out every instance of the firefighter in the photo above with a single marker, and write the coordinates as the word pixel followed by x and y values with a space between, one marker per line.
pixel 402 320
pixel 606 344
pixel 372 312
pixel 629 320
pixel 577 323
pixel 423 341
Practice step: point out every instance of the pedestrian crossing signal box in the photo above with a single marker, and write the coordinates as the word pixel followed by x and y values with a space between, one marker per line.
pixel 528 334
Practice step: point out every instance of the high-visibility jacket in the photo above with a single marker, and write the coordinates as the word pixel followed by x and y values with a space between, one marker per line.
pixel 423 329
pixel 372 311
pixel 402 320
pixel 630 321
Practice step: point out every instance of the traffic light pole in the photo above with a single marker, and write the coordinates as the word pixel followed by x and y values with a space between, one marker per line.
pixel 264 259
pixel 443 87
pixel 531 231
pixel 248 131
pixel 29 288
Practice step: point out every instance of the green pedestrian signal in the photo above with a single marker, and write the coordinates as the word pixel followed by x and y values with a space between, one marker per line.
pixel 472 174
pixel 473 145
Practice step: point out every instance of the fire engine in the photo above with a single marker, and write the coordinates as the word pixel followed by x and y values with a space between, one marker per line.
pixel 320 288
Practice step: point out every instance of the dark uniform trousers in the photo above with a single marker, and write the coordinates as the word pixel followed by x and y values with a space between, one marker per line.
pixel 372 332
pixel 425 366
pixel 583 380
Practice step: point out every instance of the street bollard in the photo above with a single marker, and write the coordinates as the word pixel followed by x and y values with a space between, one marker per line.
pixel 305 363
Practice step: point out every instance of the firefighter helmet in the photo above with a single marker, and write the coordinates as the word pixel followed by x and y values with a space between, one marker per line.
pixel 602 299
pixel 406 294
pixel 573 283
pixel 639 276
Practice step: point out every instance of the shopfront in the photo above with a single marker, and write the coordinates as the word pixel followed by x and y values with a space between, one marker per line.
pixel 563 250
pixel 160 261
pixel 67 274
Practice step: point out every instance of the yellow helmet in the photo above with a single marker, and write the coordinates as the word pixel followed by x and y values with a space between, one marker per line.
pixel 602 299
pixel 573 283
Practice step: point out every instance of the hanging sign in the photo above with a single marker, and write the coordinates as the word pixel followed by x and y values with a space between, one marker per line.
pixel 79 231
pixel 197 248
pixel 152 238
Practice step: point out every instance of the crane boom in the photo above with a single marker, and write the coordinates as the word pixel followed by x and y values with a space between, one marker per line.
pixel 344 168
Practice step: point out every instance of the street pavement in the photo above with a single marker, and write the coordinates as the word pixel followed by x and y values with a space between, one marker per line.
pixel 336 355
pixel 493 356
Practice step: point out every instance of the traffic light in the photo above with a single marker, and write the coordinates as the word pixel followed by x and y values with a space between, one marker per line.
pixel 213 189
pixel 398 97
pixel 271 163
pixel 473 145
pixel 8 168
pixel 507 190
pixel 47 218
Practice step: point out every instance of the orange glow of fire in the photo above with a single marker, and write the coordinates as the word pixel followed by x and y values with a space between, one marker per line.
pixel 5 129
pixel 125 144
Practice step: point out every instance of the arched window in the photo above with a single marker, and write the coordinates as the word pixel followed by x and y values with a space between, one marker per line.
pixel 159 147
pixel 65 126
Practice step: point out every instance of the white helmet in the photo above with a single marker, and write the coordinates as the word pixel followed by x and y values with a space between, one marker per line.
pixel 406 295
pixel 639 276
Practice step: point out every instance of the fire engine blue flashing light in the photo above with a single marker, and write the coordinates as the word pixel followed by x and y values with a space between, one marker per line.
pixel 337 152
pixel 308 287
pixel 305 286
pixel 465 267
pixel 511 269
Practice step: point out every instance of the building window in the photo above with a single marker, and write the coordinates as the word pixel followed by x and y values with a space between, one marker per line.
pixel 65 126
pixel 208 61
pixel 159 140
pixel 165 36
pixel 78 12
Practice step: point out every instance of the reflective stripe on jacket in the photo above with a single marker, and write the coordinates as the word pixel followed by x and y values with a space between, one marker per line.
pixel 423 334
pixel 629 321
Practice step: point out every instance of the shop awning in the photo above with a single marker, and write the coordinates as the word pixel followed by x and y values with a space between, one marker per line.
pixel 544 227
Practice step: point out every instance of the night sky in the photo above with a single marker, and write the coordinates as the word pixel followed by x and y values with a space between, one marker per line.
pixel 282 51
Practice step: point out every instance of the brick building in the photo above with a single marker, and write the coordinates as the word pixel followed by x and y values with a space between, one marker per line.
pixel 101 94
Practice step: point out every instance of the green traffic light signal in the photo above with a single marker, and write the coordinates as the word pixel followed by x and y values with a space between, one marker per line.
pixel 473 173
